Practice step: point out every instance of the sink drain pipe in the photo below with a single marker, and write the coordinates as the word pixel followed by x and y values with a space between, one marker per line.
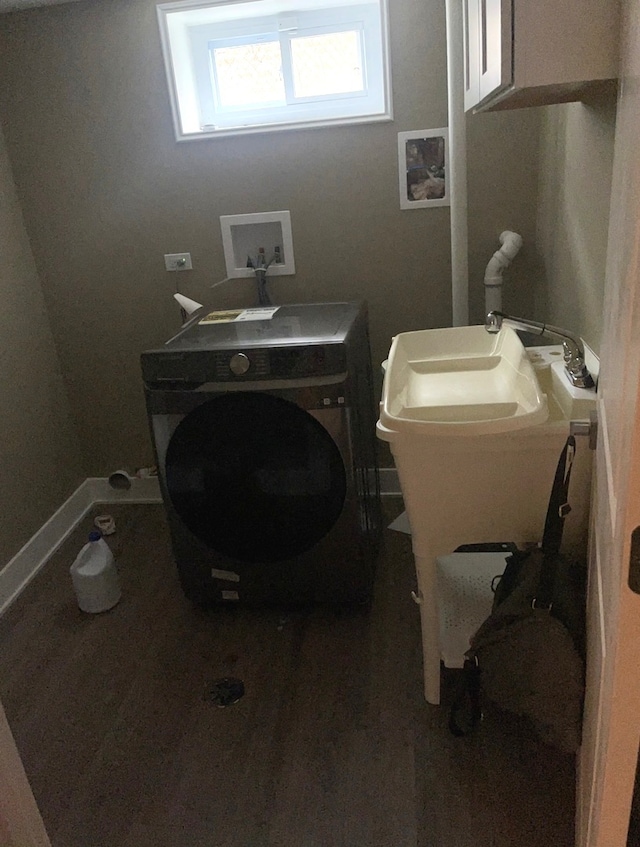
pixel 511 243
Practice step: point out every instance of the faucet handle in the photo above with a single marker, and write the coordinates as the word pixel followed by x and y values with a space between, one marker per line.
pixel 493 321
pixel 578 374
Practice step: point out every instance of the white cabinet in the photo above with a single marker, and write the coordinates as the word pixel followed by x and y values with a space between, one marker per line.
pixel 471 19
pixel 533 52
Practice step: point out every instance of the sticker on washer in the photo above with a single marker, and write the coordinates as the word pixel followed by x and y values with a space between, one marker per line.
pixel 257 314
pixel 229 315
pixel 230 576
pixel 221 317
pixel 230 595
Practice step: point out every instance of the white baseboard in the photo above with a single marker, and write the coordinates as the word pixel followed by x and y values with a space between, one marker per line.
pixel 20 570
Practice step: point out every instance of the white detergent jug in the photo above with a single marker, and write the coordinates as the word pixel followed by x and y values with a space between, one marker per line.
pixel 95 577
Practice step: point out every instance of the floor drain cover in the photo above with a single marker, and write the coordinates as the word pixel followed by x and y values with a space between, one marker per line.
pixel 224 692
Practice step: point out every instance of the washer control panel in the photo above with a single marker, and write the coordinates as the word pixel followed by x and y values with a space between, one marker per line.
pixel 297 361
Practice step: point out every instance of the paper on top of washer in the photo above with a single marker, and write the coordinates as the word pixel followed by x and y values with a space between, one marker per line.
pixel 228 315
pixel 260 314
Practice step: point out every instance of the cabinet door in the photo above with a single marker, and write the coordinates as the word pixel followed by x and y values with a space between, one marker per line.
pixel 471 32
pixel 496 46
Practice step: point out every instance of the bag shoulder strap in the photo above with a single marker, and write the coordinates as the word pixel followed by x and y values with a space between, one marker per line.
pixel 557 511
pixel 465 712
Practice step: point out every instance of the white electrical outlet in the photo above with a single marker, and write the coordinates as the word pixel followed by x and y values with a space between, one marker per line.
pixel 178 261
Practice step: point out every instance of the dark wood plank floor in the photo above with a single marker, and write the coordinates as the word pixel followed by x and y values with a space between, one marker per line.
pixel 331 746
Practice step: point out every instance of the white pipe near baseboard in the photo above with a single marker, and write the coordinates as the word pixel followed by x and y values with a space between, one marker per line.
pixel 457 166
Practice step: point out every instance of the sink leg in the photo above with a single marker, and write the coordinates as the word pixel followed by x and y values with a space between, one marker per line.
pixel 426 573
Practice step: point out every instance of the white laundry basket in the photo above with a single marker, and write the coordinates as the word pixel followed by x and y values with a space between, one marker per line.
pixel 95 577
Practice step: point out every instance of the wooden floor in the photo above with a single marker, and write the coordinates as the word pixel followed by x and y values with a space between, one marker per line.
pixel 331 746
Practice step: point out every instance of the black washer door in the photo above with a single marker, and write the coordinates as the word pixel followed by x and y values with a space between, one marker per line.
pixel 255 477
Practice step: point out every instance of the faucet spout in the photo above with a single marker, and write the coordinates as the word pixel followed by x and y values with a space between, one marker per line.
pixel 575 366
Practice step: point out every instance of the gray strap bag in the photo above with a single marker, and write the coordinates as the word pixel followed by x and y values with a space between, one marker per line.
pixel 528 655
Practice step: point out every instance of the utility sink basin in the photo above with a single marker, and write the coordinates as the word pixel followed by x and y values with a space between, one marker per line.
pixel 460 381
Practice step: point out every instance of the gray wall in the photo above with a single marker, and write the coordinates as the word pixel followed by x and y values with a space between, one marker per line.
pixel 576 158
pixel 502 188
pixel 40 462
pixel 106 191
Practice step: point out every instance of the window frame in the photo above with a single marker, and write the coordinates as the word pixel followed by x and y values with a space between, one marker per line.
pixel 190 75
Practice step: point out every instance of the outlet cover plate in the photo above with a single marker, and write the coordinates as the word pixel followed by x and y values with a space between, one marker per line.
pixel 178 261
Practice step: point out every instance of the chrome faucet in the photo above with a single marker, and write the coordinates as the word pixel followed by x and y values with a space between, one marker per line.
pixel 573 346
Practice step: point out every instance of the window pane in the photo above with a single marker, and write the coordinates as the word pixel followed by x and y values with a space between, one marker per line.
pixel 248 74
pixel 327 64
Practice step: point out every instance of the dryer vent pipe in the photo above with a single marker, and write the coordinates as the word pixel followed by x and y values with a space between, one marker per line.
pixel 511 243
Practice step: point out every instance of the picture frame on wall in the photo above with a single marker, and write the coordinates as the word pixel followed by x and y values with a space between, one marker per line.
pixel 423 162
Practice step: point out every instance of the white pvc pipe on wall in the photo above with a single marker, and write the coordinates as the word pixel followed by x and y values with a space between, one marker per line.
pixel 510 243
pixel 457 166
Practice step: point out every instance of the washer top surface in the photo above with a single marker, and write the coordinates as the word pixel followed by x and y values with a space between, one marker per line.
pixel 303 323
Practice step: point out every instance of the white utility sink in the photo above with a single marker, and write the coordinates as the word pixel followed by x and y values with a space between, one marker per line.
pixel 460 381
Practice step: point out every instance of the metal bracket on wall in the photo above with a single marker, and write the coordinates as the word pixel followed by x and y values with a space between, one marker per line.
pixel 587 428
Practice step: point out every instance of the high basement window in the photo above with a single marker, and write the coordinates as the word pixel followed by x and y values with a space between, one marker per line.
pixel 238 67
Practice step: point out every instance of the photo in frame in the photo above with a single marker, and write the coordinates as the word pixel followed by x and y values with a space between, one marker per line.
pixel 423 162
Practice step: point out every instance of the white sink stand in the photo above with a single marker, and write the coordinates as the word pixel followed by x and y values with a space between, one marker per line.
pixel 462 492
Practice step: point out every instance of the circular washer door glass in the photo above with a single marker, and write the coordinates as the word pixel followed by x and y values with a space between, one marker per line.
pixel 255 477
